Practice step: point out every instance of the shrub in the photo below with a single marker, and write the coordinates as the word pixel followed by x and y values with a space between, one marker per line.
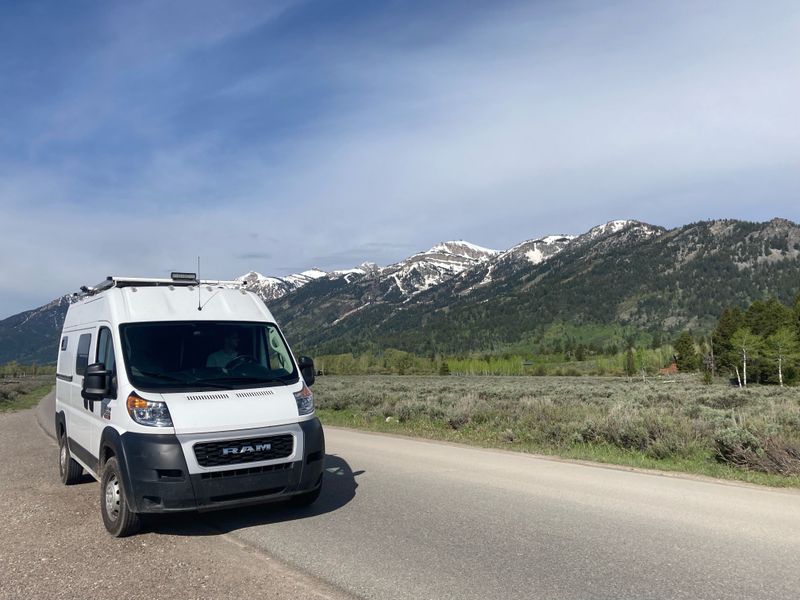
pixel 730 399
pixel 683 419
pixel 507 436
pixel 736 445
pixel 740 447
pixel 457 421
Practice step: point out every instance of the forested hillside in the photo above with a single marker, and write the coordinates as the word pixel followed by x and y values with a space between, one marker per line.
pixel 619 285
pixel 32 336
pixel 640 280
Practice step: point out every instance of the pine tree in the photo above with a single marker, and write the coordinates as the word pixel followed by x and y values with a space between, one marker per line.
pixel 580 353
pixel 630 363
pixel 688 359
pixel 797 315
pixel 730 321
pixel 766 317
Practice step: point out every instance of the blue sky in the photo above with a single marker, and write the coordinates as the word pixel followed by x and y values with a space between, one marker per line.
pixel 278 136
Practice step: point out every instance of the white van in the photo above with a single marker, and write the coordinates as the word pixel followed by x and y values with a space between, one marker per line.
pixel 178 394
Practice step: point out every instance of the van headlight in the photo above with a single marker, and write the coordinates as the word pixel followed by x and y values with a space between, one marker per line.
pixel 152 413
pixel 305 401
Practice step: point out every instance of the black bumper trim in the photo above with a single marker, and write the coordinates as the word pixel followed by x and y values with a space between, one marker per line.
pixel 149 456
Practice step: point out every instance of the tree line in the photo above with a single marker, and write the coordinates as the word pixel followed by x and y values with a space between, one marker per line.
pixel 758 344
pixel 14 369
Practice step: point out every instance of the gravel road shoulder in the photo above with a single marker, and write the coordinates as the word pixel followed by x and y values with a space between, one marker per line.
pixel 54 545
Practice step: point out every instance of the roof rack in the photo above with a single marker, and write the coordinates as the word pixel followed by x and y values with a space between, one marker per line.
pixel 176 280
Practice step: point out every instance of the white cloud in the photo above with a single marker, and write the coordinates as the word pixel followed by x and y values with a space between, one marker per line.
pixel 530 122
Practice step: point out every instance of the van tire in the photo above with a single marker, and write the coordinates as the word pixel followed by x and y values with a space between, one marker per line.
pixel 120 521
pixel 69 470
pixel 306 498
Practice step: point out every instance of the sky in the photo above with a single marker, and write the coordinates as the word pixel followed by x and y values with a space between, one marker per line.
pixel 280 136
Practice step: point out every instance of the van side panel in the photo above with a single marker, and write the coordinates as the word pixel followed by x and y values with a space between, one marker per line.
pixel 76 410
pixel 64 373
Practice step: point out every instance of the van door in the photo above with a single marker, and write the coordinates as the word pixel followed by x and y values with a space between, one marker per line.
pixel 78 421
pixel 104 354
pixel 65 369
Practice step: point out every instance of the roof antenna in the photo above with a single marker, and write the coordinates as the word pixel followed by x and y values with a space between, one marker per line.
pixel 199 307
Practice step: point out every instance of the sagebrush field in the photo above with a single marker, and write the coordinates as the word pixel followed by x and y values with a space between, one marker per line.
pixel 678 424
pixel 17 393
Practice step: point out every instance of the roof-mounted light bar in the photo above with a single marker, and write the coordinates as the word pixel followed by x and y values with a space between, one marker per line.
pixel 178 276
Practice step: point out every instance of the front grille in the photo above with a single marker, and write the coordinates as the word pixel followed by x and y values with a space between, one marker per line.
pixel 247 471
pixel 235 452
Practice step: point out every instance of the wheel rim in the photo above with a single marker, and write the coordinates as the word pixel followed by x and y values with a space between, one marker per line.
pixel 62 457
pixel 112 498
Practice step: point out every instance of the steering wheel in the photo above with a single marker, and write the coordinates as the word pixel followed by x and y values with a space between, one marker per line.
pixel 238 361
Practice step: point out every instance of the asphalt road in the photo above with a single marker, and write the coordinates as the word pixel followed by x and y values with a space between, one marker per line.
pixel 403 519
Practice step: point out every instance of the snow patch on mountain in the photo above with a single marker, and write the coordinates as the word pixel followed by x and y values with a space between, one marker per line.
pixel 539 250
pixel 613 227
pixel 307 276
pixel 425 270
pixel 402 281
pixel 462 248
pixel 362 269
pixel 272 288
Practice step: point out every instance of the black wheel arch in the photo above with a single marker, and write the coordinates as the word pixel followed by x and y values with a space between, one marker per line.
pixel 60 423
pixel 111 445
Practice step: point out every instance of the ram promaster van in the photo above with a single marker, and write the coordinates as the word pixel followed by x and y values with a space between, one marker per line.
pixel 178 394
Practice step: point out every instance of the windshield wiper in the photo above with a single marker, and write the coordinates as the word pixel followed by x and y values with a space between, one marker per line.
pixel 240 379
pixel 160 376
pixel 187 383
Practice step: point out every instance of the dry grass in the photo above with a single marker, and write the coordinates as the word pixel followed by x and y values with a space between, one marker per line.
pixel 677 424
pixel 23 392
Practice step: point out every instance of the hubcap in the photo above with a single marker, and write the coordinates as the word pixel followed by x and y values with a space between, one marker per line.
pixel 112 498
pixel 62 458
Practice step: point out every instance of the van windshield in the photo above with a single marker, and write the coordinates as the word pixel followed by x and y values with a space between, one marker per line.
pixel 194 355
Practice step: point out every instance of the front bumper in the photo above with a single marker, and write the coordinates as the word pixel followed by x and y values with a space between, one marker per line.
pixel 158 479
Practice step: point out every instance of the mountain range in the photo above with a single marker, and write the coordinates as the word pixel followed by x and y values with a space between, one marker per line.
pixel 459 297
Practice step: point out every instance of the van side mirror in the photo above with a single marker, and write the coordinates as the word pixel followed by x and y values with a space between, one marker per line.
pixel 307 369
pixel 96 382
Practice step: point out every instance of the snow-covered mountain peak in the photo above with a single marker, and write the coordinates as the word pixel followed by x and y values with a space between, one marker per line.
pixel 300 279
pixel 551 239
pixel 368 267
pixel 254 277
pixel 608 228
pixel 443 261
pixel 428 269
pixel 462 248
pixel 613 227
pixel 272 288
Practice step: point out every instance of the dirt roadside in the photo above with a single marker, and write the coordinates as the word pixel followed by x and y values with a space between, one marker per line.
pixel 53 543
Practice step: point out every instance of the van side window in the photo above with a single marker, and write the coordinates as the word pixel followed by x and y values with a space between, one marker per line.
pixel 105 349
pixel 278 353
pixel 64 343
pixel 82 355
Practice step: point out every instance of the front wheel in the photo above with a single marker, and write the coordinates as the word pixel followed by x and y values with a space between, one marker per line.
pixel 69 470
pixel 120 521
